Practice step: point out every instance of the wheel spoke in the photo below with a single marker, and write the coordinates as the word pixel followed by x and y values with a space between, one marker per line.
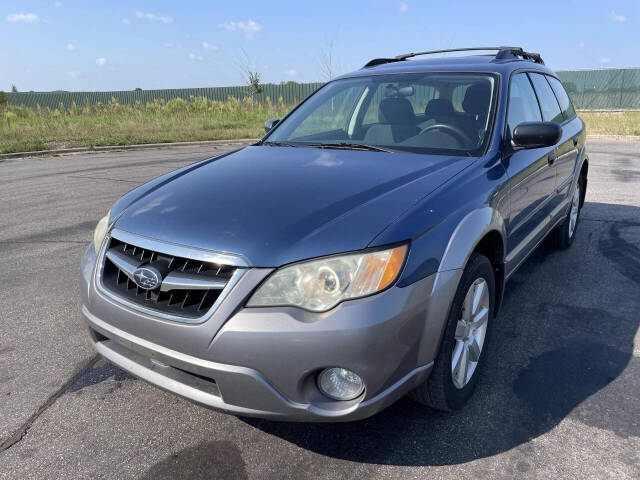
pixel 463 365
pixel 456 356
pixel 481 317
pixel 461 330
pixel 467 306
pixel 474 350
pixel 478 296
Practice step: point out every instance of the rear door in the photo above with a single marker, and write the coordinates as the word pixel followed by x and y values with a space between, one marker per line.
pixel 551 113
pixel 571 142
pixel 532 175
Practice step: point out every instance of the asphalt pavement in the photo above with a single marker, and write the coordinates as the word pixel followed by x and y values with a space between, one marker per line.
pixel 559 397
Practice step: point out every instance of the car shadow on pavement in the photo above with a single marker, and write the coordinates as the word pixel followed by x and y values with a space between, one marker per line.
pixel 562 348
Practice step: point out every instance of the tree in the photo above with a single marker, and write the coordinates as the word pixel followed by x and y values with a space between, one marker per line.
pixel 328 67
pixel 14 89
pixel 250 75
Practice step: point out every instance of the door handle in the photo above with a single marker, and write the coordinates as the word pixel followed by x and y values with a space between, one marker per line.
pixel 575 141
pixel 551 158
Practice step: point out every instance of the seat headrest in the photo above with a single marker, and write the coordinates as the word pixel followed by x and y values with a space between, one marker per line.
pixel 439 107
pixel 397 110
pixel 476 98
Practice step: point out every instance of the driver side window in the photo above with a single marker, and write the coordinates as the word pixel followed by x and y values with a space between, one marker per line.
pixel 523 104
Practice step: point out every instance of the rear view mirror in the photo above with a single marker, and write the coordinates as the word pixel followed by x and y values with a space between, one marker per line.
pixel 398 91
pixel 536 134
pixel 269 124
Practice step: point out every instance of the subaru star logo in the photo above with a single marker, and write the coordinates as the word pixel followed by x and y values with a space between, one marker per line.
pixel 147 278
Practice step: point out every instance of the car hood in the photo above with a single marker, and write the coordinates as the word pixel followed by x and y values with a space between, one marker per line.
pixel 276 205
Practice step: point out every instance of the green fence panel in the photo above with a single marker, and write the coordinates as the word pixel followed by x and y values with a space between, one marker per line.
pixel 602 89
pixel 290 93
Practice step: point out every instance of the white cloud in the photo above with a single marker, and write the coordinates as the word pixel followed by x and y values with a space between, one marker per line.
pixel 23 17
pixel 581 45
pixel 101 61
pixel 404 7
pixel 207 46
pixel 57 4
pixel 248 28
pixel 71 47
pixel 617 18
pixel 291 72
pixel 154 17
pixel 193 56
pixel 126 21
pixel 605 60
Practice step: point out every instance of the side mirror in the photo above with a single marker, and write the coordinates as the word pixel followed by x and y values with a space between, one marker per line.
pixel 536 134
pixel 269 124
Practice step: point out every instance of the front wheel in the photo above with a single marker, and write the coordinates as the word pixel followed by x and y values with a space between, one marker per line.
pixel 464 343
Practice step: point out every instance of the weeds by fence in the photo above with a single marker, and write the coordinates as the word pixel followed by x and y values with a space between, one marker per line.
pixel 112 123
pixel 289 93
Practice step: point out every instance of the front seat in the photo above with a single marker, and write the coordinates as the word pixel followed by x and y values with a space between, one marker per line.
pixel 476 105
pixel 397 122
pixel 438 110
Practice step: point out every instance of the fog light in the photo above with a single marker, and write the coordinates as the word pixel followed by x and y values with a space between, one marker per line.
pixel 340 383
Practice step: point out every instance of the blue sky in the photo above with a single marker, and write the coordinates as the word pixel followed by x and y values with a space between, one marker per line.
pixel 121 45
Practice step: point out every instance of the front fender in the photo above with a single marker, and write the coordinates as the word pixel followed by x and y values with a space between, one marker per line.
pixel 469 232
pixel 464 239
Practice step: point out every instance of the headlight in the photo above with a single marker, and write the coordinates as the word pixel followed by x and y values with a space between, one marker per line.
pixel 319 285
pixel 100 231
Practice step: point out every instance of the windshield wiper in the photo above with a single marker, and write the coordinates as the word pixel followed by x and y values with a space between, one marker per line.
pixel 351 146
pixel 281 144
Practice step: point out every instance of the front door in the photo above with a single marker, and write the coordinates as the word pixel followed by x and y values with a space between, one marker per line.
pixel 532 175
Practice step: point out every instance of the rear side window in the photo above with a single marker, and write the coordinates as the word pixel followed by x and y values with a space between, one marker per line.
pixel 548 103
pixel 523 105
pixel 563 99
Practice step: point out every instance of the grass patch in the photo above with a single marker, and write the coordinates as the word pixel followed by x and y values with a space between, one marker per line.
pixel 28 129
pixel 611 123
pixel 24 129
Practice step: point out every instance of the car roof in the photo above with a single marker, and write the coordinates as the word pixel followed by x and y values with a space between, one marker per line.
pixel 469 63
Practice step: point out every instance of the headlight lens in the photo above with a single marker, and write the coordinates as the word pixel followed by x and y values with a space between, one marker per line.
pixel 319 285
pixel 100 231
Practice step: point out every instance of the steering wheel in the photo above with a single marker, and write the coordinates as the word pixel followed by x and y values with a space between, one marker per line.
pixel 457 132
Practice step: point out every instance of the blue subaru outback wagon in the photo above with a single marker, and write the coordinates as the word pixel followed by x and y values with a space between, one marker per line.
pixel 357 253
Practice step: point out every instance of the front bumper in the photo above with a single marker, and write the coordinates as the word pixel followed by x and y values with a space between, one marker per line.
pixel 263 362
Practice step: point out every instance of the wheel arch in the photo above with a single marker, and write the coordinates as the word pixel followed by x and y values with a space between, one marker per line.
pixel 481 231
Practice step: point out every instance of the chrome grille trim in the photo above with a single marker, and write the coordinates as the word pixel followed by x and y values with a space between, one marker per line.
pixel 173 281
pixel 185 281
pixel 179 250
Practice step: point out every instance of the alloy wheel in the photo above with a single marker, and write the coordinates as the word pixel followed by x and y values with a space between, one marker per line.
pixel 470 333
pixel 575 209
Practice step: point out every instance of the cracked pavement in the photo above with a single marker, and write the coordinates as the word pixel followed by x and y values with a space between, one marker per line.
pixel 559 397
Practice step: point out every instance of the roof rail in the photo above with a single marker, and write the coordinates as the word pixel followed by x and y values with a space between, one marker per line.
pixel 502 53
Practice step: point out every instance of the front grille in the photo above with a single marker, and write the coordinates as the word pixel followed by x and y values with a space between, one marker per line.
pixel 184 302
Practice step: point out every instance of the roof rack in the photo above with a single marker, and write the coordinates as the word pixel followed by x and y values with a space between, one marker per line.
pixel 502 54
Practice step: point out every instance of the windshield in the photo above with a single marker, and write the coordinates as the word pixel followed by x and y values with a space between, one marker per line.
pixel 438 113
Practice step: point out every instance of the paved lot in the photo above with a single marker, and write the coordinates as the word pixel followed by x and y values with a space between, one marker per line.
pixel 560 396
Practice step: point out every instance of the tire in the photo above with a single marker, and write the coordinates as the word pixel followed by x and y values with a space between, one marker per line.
pixel 440 391
pixel 563 235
